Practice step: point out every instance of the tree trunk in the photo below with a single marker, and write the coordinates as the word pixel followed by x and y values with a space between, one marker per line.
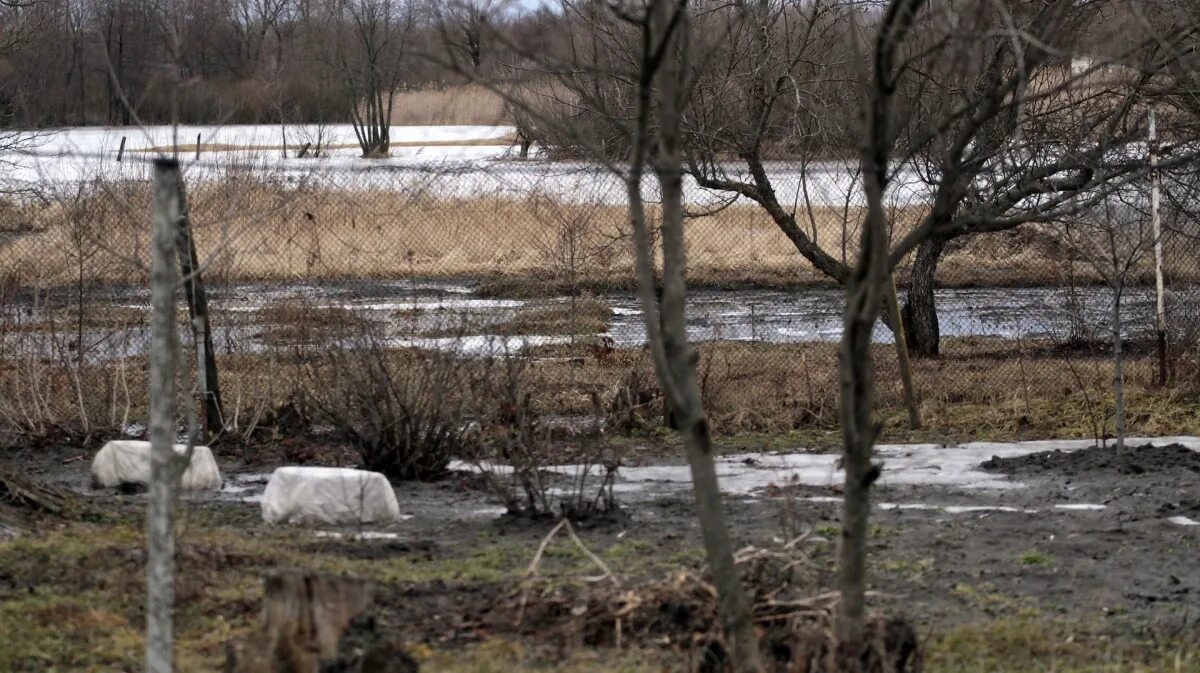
pixel 670 420
pixel 662 89
pixel 920 309
pixel 686 411
pixel 865 289
pixel 164 473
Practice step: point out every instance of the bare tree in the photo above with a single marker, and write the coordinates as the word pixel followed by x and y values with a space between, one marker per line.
pixel 664 83
pixel 996 132
pixel 369 46
pixel 1114 238
pixel 989 177
pixel 467 26
pixel 865 287
pixel 166 466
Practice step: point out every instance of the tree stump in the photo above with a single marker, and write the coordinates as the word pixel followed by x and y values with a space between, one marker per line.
pixel 304 616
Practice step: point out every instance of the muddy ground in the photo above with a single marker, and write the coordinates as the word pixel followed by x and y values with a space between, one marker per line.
pixel 1091 565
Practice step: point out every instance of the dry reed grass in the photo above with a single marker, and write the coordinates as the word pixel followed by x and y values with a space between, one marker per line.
pixel 466 104
pixel 220 147
pixel 252 230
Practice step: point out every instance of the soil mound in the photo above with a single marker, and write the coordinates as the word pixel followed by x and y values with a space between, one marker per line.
pixel 1100 460
pixel 1188 508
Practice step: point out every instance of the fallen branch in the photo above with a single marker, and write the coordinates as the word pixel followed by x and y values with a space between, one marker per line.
pixel 24 493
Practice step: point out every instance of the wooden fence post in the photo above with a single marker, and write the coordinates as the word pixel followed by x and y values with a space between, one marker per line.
pixel 197 301
pixel 906 377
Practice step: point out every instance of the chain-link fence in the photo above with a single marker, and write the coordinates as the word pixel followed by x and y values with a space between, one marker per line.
pixel 533 260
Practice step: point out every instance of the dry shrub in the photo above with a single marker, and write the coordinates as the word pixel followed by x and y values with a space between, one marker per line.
pixel 517 446
pixel 404 413
pixel 635 402
pixel 47 393
pixel 679 611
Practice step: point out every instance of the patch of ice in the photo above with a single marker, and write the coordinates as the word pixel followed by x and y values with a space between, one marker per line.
pixel 364 535
pixel 234 489
pixel 957 509
pixel 251 478
pixel 888 506
pixel 134 430
pixel 1183 521
pixel 441 305
pixel 488 512
pixel 1083 506
pixel 620 310
pixel 903 465
pixel 480 345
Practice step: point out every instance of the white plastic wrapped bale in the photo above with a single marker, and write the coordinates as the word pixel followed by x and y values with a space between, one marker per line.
pixel 329 495
pixel 128 462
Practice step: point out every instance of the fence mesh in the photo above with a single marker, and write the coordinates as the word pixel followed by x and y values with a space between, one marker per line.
pixel 534 259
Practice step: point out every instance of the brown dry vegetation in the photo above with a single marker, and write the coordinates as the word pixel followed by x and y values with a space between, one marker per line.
pixel 468 104
pixel 220 147
pixel 585 315
pixel 979 389
pixel 250 230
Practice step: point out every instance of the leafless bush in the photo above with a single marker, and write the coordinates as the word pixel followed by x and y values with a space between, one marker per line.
pixel 635 400
pixel 516 450
pixel 403 410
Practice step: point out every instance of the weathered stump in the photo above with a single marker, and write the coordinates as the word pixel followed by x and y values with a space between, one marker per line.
pixel 304 618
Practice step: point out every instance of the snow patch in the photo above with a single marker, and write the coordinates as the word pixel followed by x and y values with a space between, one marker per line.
pixel 364 535
pixel 486 345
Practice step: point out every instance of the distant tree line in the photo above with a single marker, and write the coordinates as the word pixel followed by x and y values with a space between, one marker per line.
pixel 76 62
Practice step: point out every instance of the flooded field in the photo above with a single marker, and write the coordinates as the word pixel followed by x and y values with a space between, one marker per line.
pixel 442 315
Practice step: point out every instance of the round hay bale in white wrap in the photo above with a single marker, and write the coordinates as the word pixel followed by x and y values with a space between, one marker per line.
pixel 330 495
pixel 128 462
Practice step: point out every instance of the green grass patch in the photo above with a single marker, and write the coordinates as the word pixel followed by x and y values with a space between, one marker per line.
pixel 1040 646
pixel 1034 557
